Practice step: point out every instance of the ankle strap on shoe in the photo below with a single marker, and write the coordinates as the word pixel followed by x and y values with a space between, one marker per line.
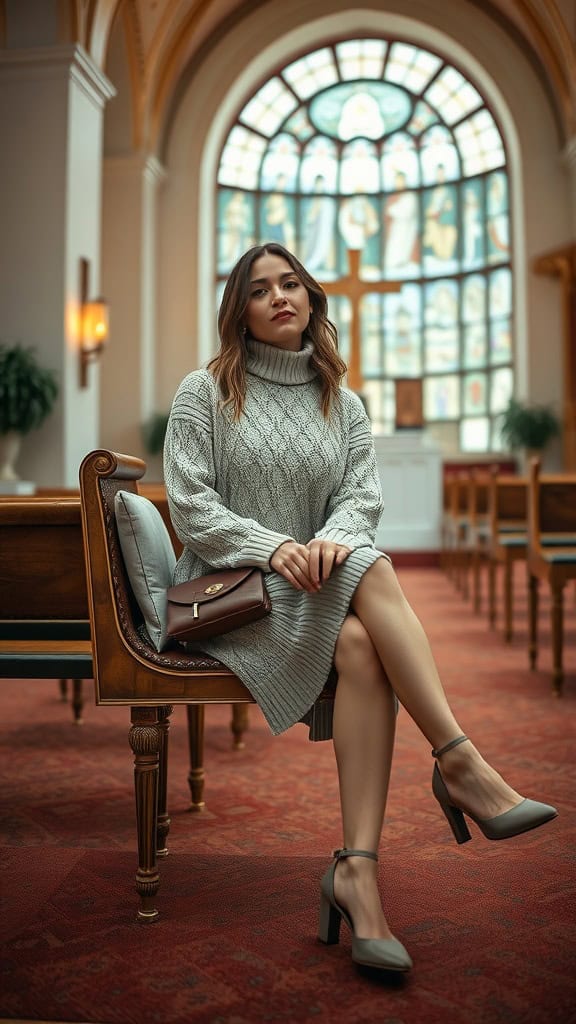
pixel 453 743
pixel 340 854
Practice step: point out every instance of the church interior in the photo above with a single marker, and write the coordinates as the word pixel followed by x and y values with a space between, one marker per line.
pixel 419 158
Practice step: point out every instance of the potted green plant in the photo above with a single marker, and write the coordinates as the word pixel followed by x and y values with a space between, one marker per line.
pixel 528 427
pixel 154 432
pixel 28 392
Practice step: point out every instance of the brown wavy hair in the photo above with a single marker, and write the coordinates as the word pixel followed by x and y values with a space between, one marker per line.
pixel 229 364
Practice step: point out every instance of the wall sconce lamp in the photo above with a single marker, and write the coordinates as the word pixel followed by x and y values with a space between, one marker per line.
pixel 93 323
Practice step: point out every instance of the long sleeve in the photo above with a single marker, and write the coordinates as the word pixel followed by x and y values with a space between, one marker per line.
pixel 201 520
pixel 354 510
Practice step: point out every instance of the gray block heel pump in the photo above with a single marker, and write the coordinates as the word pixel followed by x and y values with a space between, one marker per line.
pixel 528 814
pixel 384 954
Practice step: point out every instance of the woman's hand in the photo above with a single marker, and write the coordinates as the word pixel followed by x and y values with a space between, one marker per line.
pixel 324 556
pixel 292 561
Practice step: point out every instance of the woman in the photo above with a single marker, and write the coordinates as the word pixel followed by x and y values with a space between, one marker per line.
pixel 269 462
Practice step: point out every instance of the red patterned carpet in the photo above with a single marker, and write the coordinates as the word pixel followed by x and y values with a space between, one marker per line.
pixel 491 926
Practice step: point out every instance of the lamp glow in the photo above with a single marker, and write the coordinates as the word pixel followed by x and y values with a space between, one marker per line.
pixel 94 325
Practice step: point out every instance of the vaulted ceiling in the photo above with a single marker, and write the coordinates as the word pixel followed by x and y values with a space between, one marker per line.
pixel 164 36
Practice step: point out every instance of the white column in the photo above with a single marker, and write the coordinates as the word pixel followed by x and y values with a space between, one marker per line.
pixel 129 272
pixel 570 160
pixel 51 107
pixel 152 177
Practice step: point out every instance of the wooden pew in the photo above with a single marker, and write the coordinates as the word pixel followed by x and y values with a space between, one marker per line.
pixel 507 511
pixel 28 632
pixel 455 527
pixel 44 616
pixel 155 492
pixel 44 627
pixel 478 531
pixel 551 556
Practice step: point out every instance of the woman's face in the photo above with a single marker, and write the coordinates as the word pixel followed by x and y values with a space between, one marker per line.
pixel 278 308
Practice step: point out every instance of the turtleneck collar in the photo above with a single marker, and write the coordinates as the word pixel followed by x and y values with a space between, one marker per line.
pixel 279 364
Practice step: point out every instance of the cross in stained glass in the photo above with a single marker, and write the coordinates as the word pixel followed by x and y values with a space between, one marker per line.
pixel 354 288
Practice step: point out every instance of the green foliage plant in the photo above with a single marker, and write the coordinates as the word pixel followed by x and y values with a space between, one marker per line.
pixel 28 391
pixel 528 426
pixel 154 432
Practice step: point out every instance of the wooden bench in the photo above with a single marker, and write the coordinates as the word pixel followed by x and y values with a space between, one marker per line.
pixel 44 616
pixel 551 556
pixel 473 546
pixel 44 627
pixel 507 512
pixel 130 671
pixel 455 527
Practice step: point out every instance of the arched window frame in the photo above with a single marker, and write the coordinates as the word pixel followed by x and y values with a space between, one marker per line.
pixel 496 372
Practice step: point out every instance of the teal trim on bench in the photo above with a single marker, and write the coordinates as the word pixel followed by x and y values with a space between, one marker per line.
pixel 559 539
pixel 513 542
pixel 44 629
pixel 46 666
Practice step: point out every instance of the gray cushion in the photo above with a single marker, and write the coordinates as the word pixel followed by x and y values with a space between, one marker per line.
pixel 149 559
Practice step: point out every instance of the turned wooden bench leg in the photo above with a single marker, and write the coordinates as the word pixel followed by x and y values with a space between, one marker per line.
pixel 163 826
pixel 196 747
pixel 465 582
pixel 448 552
pixel 459 562
pixel 239 724
pixel 491 592
pixel 557 637
pixel 77 701
pixel 508 593
pixel 476 592
pixel 533 594
pixel 145 740
pixel 77 698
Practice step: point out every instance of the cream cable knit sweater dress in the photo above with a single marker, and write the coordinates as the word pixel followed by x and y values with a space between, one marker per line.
pixel 237 490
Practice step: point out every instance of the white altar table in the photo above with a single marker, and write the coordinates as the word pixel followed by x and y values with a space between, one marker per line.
pixel 410 468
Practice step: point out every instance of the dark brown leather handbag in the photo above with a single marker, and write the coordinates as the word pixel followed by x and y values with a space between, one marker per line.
pixel 216 603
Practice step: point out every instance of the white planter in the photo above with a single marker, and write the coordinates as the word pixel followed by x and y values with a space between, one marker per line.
pixel 9 450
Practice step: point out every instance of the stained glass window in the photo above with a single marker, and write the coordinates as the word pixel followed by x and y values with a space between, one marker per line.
pixel 382 146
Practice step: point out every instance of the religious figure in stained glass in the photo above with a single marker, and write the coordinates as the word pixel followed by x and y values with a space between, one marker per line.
pixel 498 222
pixel 402 333
pixel 278 220
pixel 441 398
pixel 360 110
pixel 401 253
pixel 475 393
pixel 360 171
pixel 472 247
pixel 403 344
pixel 500 341
pixel 440 227
pixel 236 227
pixel 475 347
pixel 318 232
pixel 358 221
pixel 441 319
pixel 282 160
